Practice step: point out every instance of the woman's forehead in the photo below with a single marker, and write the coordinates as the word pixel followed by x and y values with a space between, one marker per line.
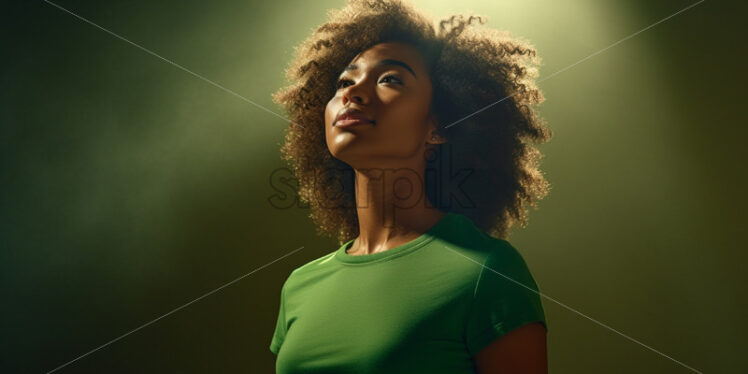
pixel 392 51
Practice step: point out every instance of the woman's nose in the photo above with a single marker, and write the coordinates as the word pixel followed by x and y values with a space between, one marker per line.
pixel 355 93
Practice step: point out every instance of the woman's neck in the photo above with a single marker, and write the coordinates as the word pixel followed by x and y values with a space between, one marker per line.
pixel 392 209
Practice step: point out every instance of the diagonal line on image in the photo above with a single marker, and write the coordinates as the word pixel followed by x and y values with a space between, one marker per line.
pixel 172 63
pixel 173 311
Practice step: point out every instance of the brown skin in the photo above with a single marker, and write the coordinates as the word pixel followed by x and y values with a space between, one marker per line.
pixel 522 350
pixel 388 158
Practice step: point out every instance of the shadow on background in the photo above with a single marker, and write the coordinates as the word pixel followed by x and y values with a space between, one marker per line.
pixel 131 187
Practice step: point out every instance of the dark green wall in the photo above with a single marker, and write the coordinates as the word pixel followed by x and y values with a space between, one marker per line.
pixel 131 187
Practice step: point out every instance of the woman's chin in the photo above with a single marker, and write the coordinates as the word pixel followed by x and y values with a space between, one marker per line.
pixel 352 158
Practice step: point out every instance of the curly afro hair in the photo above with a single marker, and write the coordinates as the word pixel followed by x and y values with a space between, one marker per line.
pixel 483 96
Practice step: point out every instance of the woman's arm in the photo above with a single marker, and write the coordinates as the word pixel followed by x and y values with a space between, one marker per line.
pixel 522 350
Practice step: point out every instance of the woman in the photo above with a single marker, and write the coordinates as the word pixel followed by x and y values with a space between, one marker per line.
pixel 420 186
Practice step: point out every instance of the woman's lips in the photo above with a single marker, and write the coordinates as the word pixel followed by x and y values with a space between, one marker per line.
pixel 352 122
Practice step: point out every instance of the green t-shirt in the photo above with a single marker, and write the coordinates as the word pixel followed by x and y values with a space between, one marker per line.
pixel 426 306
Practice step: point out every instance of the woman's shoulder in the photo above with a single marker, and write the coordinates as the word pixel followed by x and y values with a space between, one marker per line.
pixel 470 235
pixel 315 265
pixel 310 270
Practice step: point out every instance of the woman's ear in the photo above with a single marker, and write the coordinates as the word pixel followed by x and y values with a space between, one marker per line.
pixel 435 138
pixel 433 135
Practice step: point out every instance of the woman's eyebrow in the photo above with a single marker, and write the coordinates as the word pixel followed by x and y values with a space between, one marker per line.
pixel 386 62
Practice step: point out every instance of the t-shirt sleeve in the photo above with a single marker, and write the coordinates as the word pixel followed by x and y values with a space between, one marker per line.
pixel 280 325
pixel 505 297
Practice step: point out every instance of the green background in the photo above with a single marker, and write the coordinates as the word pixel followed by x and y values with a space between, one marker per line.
pixel 131 187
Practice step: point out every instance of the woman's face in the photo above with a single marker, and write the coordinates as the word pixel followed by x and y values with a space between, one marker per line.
pixel 389 84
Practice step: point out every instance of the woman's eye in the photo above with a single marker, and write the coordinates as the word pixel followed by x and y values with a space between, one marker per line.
pixel 341 83
pixel 389 78
pixel 397 80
